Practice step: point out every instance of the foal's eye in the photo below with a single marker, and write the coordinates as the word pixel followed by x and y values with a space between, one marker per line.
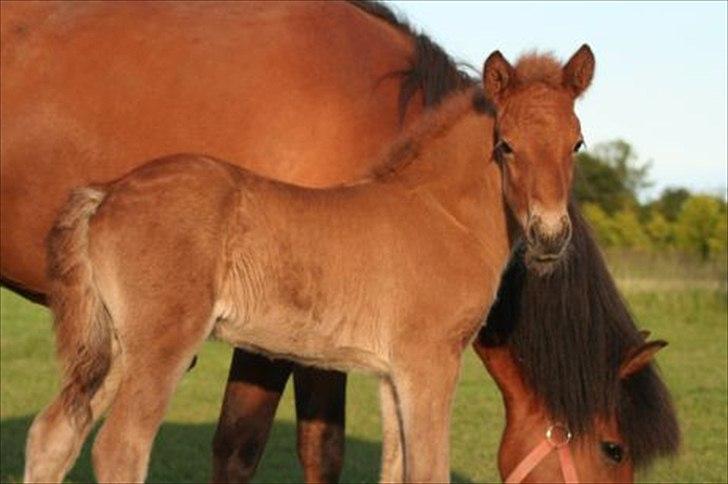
pixel 578 146
pixel 613 451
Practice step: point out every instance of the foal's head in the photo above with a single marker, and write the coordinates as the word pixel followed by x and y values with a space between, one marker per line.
pixel 598 455
pixel 537 134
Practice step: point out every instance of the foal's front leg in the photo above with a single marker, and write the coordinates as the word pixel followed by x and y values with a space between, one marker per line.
pixel 425 387
pixel 391 470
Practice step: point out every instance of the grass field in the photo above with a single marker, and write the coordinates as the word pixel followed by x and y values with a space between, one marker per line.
pixel 694 366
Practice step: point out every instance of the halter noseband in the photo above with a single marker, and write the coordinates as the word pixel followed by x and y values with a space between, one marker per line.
pixel 540 452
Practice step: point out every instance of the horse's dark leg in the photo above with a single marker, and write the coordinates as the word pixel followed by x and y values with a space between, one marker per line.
pixel 254 387
pixel 320 411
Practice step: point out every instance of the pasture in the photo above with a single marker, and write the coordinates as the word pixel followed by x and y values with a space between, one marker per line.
pixel 685 307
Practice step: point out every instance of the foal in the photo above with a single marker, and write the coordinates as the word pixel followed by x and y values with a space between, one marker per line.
pixel 392 275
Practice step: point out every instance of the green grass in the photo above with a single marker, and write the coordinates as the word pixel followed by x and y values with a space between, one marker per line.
pixel 694 365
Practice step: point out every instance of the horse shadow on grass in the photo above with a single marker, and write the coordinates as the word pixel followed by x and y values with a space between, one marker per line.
pixel 182 453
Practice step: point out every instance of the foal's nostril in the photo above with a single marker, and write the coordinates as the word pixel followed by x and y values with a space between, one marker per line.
pixel 532 233
pixel 549 244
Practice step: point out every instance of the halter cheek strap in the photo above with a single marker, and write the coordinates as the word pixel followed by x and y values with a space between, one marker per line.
pixel 540 452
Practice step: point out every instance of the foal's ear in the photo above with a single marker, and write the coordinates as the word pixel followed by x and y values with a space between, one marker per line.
pixel 497 74
pixel 578 72
pixel 640 357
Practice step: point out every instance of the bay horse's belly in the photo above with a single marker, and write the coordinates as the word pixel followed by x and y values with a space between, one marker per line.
pixel 90 91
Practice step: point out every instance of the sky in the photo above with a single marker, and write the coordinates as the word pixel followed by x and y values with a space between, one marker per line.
pixel 660 81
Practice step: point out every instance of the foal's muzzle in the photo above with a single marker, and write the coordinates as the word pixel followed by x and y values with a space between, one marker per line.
pixel 547 242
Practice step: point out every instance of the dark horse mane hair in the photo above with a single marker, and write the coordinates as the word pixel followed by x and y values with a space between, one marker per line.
pixel 571 329
pixel 569 332
pixel 432 71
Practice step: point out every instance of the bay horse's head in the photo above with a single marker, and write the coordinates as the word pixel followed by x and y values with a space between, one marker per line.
pixel 536 136
pixel 535 448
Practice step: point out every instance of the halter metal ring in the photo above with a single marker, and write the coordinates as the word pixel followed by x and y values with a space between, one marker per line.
pixel 566 432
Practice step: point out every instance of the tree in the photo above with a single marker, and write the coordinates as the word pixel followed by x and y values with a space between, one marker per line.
pixel 671 201
pixel 701 226
pixel 621 157
pixel 628 230
pixel 601 224
pixel 659 230
pixel 610 177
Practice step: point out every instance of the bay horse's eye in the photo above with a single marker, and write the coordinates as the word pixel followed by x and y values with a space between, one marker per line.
pixel 578 146
pixel 613 451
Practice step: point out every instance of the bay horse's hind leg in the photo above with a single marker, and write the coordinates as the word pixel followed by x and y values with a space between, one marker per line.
pixel 254 388
pixel 55 438
pixel 320 412
pixel 157 351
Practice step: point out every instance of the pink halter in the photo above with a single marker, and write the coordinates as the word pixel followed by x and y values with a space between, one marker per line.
pixel 538 454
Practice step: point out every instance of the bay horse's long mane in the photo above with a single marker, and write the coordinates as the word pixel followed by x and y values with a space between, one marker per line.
pixel 569 332
pixel 432 71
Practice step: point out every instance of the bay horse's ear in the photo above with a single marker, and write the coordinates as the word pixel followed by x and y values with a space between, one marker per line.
pixel 497 74
pixel 639 357
pixel 645 333
pixel 578 72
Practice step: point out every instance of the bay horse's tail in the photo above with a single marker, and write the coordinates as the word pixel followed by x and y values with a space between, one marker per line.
pixel 81 322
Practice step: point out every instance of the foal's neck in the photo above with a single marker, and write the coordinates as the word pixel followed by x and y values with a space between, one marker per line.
pixel 434 146
pixel 446 161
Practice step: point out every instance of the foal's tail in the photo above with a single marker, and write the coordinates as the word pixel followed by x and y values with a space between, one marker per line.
pixel 82 322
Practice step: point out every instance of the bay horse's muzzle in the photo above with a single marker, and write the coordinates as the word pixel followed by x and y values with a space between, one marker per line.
pixel 547 242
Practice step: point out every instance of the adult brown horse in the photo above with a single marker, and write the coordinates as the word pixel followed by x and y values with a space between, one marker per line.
pixel 268 266
pixel 90 90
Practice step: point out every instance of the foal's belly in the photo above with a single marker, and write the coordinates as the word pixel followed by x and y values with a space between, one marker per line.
pixel 325 342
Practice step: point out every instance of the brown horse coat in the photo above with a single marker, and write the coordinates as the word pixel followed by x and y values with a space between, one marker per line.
pixel 90 90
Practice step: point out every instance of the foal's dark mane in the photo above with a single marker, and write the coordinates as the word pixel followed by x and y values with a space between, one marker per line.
pixel 571 329
pixel 569 332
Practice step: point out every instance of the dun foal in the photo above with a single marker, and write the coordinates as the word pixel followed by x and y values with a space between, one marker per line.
pixel 392 275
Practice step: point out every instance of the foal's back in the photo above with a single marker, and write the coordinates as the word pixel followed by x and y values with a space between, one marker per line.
pixel 191 239
pixel 157 235
pixel 318 275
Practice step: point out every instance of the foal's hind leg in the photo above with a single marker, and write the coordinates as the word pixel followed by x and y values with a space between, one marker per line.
pixel 156 356
pixel 55 438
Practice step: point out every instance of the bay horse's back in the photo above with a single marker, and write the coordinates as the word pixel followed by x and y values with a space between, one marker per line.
pixel 90 90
